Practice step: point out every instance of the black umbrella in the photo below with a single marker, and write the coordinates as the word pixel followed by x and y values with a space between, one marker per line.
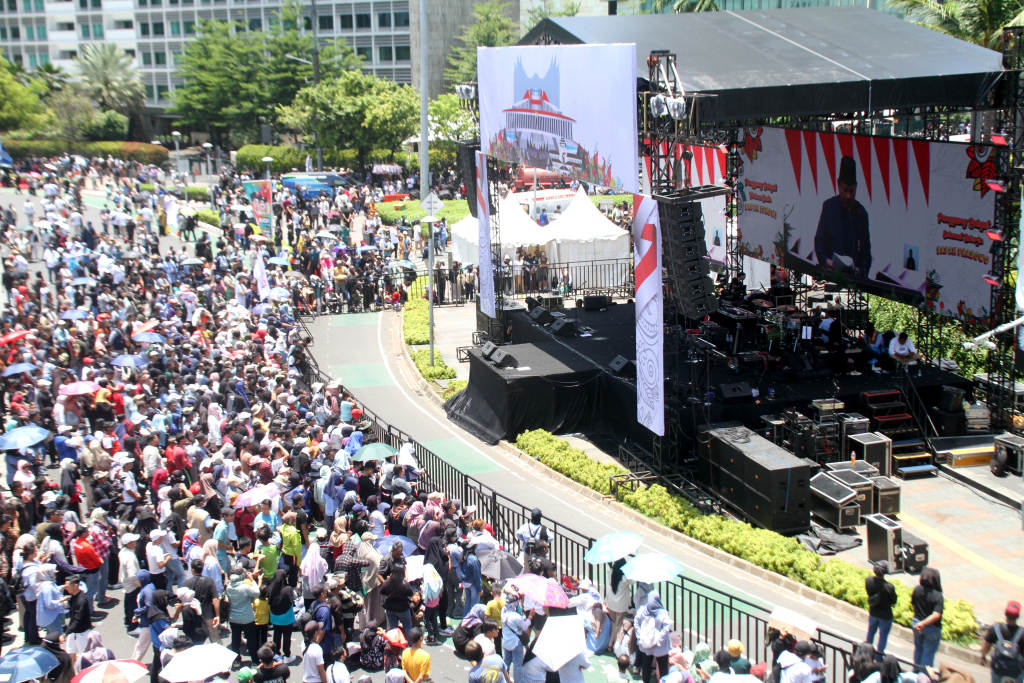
pixel 498 564
pixel 19 273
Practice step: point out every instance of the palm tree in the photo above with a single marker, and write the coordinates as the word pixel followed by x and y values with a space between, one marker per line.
pixel 687 5
pixel 53 77
pixel 109 76
pixel 977 21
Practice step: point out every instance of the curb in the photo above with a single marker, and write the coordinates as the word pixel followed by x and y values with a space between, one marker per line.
pixel 902 633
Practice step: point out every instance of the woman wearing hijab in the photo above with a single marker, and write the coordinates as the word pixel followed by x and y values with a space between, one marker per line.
pixel 598 627
pixel 50 601
pixel 407 459
pixel 241 592
pixel 145 523
pixel 94 651
pixel 414 521
pixel 159 618
pixel 192 624
pixel 338 538
pixel 619 597
pixel 372 647
pixel 25 475
pixel 437 556
pixel 213 425
pixel 927 602
pixel 470 627
pixel 431 527
pixel 334 493
pixel 211 565
pixel 190 546
pixel 371 579
pixel 890 672
pixel 141 610
pixel 313 569
pixel 69 483
pixel 355 442
pixel 663 627
pixel 281 597
pixel 703 665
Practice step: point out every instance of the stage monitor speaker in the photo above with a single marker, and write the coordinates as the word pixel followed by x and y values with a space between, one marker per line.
pixel 564 327
pixel 467 170
pixel 952 399
pixel 487 350
pixel 503 360
pixel 541 316
pixel 596 303
pixel 736 392
pixel 531 303
pixel 623 367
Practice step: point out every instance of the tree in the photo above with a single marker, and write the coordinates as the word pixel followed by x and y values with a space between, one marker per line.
pixel 977 21
pixel 356 111
pixel 687 5
pixel 449 123
pixel 539 13
pixel 490 28
pixel 74 114
pixel 52 78
pixel 108 75
pixel 20 107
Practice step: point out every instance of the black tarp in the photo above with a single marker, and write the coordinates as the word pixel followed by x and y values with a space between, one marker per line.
pixel 799 61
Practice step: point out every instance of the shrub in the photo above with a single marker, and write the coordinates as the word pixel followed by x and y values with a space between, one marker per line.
pixel 108 125
pixel 766 549
pixel 142 152
pixel 210 217
pixel 439 370
pixel 200 194
pixel 416 318
pixel 454 387
pixel 391 212
pixel 288 159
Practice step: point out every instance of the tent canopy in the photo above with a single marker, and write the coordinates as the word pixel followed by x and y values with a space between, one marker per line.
pixel 583 233
pixel 796 62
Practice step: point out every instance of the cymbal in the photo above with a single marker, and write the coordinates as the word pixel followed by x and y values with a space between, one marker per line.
pixel 762 303
pixel 786 308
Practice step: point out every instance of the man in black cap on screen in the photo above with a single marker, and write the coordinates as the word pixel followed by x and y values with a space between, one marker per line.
pixel 843 226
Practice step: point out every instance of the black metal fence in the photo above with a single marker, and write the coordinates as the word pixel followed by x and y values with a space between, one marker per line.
pixel 701 613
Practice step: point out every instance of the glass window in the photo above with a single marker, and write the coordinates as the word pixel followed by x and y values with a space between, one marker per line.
pixel 41 31
pixel 130 53
pixel 44 57
pixel 32 61
pixel 39 5
pixel 384 19
pixel 365 52
pixel 97 30
pixel 147 58
pixel 160 58
pixel 190 28
pixel 17 59
pixel 161 92
pixel 176 57
pixel 307 23
pixel 96 4
pixel 143 26
pixel 175 28
pixel 346 21
pixel 65 26
pixel 28 5
pixel 85 30
pixel 30 32
pixel 83 4
pixel 326 22
pixel 3 33
pixel 143 3
pixel 158 27
pixel 384 53
pixel 149 92
pixel 12 5
pixel 256 24
pixel 15 33
pixel 402 53
pixel 362 21
pixel 401 18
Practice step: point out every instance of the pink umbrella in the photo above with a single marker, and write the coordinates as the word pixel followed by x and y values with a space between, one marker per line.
pixel 115 671
pixel 542 590
pixel 256 496
pixel 77 388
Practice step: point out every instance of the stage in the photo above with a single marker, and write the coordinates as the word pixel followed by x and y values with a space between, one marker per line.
pixel 564 385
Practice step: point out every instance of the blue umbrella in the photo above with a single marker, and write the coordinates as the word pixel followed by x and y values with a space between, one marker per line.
pixel 260 309
pixel 88 281
pixel 22 437
pixel 280 293
pixel 149 338
pixel 613 546
pixel 367 247
pixel 130 361
pixel 26 664
pixel 383 545
pixel 73 314
pixel 19 368
pixel 652 568
pixel 279 261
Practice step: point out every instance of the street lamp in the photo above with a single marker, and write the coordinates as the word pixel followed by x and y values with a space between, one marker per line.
pixel 316 81
pixel 430 220
pixel 267 161
pixel 209 177
pixel 177 151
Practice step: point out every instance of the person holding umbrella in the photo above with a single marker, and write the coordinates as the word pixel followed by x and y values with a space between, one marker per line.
pixel 65 668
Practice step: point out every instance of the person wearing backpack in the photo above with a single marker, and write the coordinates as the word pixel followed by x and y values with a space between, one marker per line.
pixel 1005 640
pixel 653 626
pixel 881 599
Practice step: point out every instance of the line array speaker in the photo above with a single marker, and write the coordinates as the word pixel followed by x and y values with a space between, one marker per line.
pixel 685 252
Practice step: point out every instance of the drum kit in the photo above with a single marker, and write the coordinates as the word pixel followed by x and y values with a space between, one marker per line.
pixel 778 324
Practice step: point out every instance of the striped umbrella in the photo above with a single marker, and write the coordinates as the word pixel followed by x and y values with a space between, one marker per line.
pixel 116 671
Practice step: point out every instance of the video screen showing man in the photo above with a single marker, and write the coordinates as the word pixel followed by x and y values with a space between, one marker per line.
pixel 843 240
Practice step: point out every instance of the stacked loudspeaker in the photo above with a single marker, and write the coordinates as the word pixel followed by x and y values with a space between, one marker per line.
pixel 685 252
pixel 768 484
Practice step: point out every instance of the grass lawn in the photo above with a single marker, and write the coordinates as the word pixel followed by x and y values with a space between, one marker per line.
pixel 455 210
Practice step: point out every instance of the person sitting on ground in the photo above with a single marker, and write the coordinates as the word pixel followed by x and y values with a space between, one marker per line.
pixel 902 349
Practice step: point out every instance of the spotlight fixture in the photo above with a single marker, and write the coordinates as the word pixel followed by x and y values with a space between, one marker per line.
pixel 996 185
pixel 993 280
pixel 687 154
pixel 659 105
pixel 970 346
pixel 998 139
pixel 994 234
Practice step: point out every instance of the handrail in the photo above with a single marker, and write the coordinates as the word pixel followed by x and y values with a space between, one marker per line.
pixel 917 407
pixel 700 612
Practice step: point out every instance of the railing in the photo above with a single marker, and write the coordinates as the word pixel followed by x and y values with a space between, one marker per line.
pixel 916 405
pixel 701 613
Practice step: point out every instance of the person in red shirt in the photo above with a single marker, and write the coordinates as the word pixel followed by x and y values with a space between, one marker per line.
pixel 86 556
pixel 177 458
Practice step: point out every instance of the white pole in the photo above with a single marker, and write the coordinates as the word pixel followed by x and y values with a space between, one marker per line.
pixel 425 166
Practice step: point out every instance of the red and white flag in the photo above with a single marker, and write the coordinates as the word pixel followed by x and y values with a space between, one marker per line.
pixel 650 362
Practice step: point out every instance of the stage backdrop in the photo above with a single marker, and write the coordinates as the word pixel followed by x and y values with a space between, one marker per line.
pixel 258 192
pixel 570 109
pixel 905 219
pixel 650 357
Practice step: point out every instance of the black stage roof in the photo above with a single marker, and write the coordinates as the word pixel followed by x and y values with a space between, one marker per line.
pixel 797 62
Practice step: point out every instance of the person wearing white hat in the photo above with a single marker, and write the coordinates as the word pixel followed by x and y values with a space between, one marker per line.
pixel 157 558
pixel 128 577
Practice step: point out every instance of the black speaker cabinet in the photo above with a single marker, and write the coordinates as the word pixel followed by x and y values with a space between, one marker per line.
pixel 503 359
pixel 564 328
pixel 784 516
pixel 737 392
pixel 541 316
pixel 596 303
pixel 487 350
pixel 623 367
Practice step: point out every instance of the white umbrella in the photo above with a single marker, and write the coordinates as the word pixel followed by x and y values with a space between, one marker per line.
pixel 198 663
pixel 562 639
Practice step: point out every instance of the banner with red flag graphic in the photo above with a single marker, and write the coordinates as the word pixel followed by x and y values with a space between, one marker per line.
pixel 650 361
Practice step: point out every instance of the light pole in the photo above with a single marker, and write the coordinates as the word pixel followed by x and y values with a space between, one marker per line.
pixel 209 177
pixel 429 221
pixel 316 81
pixel 270 182
pixel 177 151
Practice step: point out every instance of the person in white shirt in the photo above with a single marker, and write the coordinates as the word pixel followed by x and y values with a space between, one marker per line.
pixel 127 575
pixel 794 669
pixel 157 558
pixel 902 350
pixel 313 657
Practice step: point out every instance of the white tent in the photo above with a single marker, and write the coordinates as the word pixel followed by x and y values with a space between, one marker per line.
pixel 583 233
pixel 517 230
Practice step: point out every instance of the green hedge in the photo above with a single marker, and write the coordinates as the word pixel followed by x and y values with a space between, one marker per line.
pixel 439 370
pixel 454 210
pixel 200 194
pixel 766 549
pixel 416 319
pixel 454 387
pixel 142 152
pixel 288 159
pixel 210 217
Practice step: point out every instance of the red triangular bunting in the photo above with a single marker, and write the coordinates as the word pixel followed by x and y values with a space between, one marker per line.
pixel 882 154
pixel 899 152
pixel 795 154
pixel 845 145
pixel 922 157
pixel 698 162
pixel 709 159
pixel 722 163
pixel 864 150
pixel 828 149
pixel 812 155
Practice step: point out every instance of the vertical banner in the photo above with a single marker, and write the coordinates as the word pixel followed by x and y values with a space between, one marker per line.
pixel 1020 269
pixel 259 273
pixel 650 361
pixel 483 221
pixel 258 192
